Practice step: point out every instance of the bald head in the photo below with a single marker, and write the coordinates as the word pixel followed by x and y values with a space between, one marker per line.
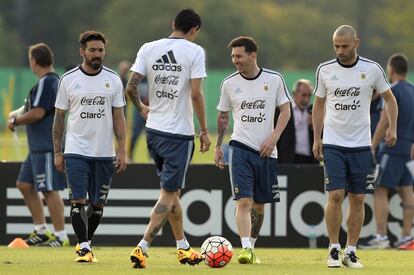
pixel 346 30
pixel 345 43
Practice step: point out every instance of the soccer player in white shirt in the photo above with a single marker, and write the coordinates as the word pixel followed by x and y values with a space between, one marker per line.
pixel 343 95
pixel 93 96
pixel 252 94
pixel 174 67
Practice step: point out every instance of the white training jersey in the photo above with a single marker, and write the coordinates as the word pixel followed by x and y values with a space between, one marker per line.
pixel 253 103
pixel 169 64
pixel 348 92
pixel 88 100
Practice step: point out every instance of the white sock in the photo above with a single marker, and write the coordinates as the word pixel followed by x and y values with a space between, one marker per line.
pixel 245 241
pixel 405 238
pixel 334 245
pixel 183 244
pixel 253 241
pixel 41 228
pixel 349 249
pixel 61 234
pixel 144 245
pixel 85 245
pixel 382 237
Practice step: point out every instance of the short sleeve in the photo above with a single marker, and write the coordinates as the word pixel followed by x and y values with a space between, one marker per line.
pixel 118 99
pixel 381 83
pixel 198 68
pixel 320 89
pixel 46 93
pixel 224 104
pixel 62 98
pixel 139 64
pixel 282 93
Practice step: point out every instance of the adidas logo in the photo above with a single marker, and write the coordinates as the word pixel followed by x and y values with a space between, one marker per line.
pixel 238 91
pixel 167 62
pixel 334 77
pixel 77 86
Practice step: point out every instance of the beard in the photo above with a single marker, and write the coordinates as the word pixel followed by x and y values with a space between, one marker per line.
pixel 95 63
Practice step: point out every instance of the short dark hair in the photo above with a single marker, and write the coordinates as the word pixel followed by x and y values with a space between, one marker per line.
pixel 42 54
pixel 244 41
pixel 399 62
pixel 89 36
pixel 186 20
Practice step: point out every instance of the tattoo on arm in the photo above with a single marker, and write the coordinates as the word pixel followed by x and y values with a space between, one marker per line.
pixel 222 124
pixel 132 89
pixel 58 130
pixel 257 221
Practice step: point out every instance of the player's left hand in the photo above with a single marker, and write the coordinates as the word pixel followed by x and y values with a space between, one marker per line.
pixel 268 147
pixel 390 137
pixel 205 141
pixel 121 162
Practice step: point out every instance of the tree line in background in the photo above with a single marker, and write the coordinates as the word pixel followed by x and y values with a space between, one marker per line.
pixel 292 34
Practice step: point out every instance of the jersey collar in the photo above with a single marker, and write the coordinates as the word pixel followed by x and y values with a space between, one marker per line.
pixel 83 71
pixel 348 66
pixel 253 78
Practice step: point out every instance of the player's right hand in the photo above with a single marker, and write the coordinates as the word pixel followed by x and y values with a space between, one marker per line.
pixel 59 162
pixel 318 149
pixel 390 137
pixel 144 111
pixel 219 157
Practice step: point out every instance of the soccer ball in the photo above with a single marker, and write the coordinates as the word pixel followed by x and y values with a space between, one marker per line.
pixel 216 251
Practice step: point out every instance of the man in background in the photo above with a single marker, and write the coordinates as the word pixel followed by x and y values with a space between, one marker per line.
pixel 38 173
pixel 393 171
pixel 295 143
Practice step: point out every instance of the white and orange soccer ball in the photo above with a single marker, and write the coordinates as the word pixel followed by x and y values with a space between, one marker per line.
pixel 216 251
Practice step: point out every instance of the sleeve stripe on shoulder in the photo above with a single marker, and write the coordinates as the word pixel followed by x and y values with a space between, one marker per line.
pixel 228 77
pixel 39 91
pixel 382 71
pixel 67 73
pixel 318 71
pixel 287 93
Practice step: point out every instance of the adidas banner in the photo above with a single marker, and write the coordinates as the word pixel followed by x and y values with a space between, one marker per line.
pixel 208 208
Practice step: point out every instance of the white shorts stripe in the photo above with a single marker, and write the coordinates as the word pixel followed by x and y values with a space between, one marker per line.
pixel 231 169
pixel 190 150
pixel 49 176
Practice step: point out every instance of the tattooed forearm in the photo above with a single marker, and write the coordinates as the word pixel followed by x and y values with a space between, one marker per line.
pixel 257 221
pixel 58 129
pixel 132 89
pixel 222 124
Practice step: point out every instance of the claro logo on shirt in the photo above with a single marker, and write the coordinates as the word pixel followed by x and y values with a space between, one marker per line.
pixel 249 118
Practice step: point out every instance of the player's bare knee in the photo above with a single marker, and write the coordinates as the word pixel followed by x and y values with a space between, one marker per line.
pixel 244 203
pixel 24 186
pixel 356 199
pixel 336 197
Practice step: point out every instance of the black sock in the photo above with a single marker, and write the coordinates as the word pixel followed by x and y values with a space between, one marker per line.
pixel 78 218
pixel 94 219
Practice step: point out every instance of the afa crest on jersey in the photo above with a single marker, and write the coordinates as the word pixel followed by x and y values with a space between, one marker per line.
pixel 266 86
pixel 107 84
pixel 363 76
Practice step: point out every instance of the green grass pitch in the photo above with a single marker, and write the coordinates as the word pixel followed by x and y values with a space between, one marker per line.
pixel 115 260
